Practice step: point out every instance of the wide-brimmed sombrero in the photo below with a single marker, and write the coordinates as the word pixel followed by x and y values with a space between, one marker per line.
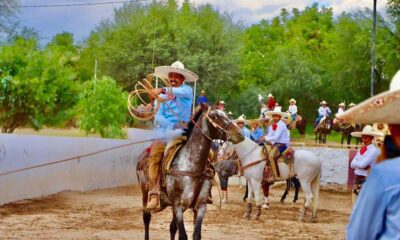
pixel 377 109
pixel 323 102
pixel 367 131
pixel 286 118
pixel 277 112
pixel 292 100
pixel 341 105
pixel 270 95
pixel 241 119
pixel 177 67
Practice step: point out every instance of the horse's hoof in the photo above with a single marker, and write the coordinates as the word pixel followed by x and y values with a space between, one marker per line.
pixel 282 201
pixel 314 220
pixel 265 206
pixel 256 218
pixel 246 216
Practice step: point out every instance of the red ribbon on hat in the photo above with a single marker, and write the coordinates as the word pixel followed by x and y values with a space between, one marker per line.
pixel 363 150
pixel 274 126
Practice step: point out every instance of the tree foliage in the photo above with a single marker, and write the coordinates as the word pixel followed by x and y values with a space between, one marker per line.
pixel 102 108
pixel 310 56
pixel 143 36
pixel 37 86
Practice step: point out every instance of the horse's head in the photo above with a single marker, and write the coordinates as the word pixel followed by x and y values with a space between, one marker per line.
pixel 220 126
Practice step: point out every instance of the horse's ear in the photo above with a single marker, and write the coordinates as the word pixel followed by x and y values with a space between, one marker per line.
pixel 203 106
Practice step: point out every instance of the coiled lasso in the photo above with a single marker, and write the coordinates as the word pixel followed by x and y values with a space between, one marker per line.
pixel 140 105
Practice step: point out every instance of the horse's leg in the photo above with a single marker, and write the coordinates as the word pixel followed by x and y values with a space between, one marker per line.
pixel 296 183
pixel 247 214
pixel 315 191
pixel 201 211
pixel 146 220
pixel 173 227
pixel 349 139
pixel 306 186
pixel 265 189
pixel 342 139
pixel 286 191
pixel 178 211
pixel 258 197
pixel 246 194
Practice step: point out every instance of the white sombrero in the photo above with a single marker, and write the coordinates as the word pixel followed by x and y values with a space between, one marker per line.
pixel 369 131
pixel 277 112
pixel 221 102
pixel 352 104
pixel 177 67
pixel 241 118
pixel 292 100
pixel 323 102
pixel 380 108
pixel 342 105
pixel 286 118
pixel 270 95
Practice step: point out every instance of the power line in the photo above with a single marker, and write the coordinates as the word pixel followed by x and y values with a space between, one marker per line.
pixel 73 4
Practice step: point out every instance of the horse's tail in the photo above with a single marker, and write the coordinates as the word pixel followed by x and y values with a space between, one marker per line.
pixel 315 191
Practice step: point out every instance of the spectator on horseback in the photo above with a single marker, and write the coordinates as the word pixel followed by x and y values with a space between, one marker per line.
pixel 278 136
pixel 271 102
pixel 376 212
pixel 241 122
pixel 278 107
pixel 202 98
pixel 172 116
pixel 292 109
pixel 221 105
pixel 323 111
pixel 365 157
pixel 257 132
pixel 230 114
pixel 341 109
pixel 262 105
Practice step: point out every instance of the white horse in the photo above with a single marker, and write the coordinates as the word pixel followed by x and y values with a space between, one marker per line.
pixel 306 166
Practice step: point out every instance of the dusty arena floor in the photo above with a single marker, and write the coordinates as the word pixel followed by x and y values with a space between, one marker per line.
pixel 116 214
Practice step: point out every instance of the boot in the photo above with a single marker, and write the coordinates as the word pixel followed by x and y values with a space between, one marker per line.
pixel 153 202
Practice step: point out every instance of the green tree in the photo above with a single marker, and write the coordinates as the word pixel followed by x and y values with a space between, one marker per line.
pixel 143 36
pixel 102 108
pixel 37 86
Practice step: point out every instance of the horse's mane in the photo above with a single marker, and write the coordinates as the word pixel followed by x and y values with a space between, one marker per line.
pixel 192 123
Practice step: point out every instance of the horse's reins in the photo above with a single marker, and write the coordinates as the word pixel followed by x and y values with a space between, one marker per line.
pixel 216 125
pixel 252 163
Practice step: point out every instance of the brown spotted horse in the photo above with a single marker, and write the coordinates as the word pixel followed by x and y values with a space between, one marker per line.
pixel 187 182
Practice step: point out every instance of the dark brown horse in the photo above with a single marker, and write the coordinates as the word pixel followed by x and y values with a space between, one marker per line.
pixel 322 130
pixel 301 124
pixel 187 184
pixel 345 129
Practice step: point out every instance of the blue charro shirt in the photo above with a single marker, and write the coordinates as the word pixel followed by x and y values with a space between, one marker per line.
pixel 376 214
pixel 202 99
pixel 177 110
pixel 246 132
pixel 257 134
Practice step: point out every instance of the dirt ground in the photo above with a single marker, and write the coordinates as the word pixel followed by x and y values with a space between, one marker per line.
pixel 116 214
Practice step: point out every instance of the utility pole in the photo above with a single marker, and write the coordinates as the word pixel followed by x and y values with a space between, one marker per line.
pixel 373 50
pixel 95 73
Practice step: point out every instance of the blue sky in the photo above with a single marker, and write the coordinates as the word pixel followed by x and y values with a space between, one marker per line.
pixel 81 20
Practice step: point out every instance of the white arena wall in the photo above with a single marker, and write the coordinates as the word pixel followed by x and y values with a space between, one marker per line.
pixel 101 170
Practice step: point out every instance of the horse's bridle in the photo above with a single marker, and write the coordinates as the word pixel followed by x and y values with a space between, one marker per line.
pixel 220 129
